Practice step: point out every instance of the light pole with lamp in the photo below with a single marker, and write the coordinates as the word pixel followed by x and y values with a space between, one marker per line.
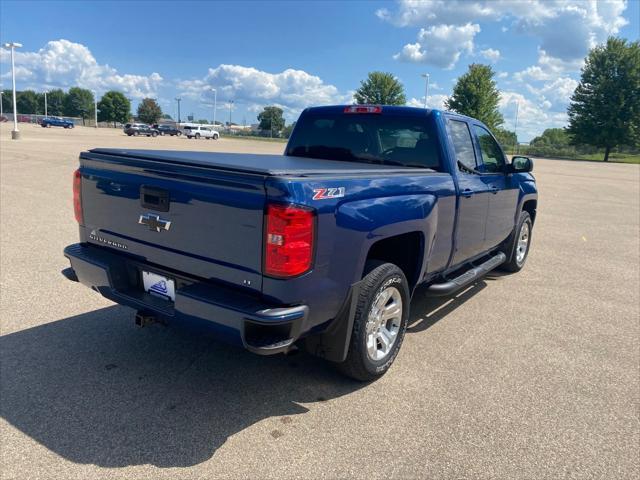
pixel 215 105
pixel 1 114
pixel 230 107
pixel 15 133
pixel 426 92
pixel 178 99
pixel 95 108
pixel 45 104
pixel 515 128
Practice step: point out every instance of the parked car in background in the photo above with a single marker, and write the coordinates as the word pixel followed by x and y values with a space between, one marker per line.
pixel 135 129
pixel 167 130
pixel 192 131
pixel 47 122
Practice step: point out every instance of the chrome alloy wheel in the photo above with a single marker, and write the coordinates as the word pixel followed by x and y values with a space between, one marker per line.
pixel 523 243
pixel 383 323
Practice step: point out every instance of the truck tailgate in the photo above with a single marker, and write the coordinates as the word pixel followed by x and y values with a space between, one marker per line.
pixel 216 217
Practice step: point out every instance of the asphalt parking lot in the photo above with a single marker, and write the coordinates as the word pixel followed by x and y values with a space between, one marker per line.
pixel 534 375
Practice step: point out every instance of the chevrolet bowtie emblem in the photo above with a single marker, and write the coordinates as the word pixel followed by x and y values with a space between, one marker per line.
pixel 154 222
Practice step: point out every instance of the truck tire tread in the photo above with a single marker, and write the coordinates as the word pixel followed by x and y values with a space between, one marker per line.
pixel 357 365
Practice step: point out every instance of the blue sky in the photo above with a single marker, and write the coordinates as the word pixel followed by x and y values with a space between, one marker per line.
pixel 296 54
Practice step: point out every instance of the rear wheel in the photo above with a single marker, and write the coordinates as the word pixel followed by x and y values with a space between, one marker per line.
pixel 379 323
pixel 518 246
pixel 135 134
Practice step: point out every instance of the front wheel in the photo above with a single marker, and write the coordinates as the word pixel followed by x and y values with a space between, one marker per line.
pixel 215 137
pixel 154 134
pixel 197 136
pixel 379 323
pixel 518 247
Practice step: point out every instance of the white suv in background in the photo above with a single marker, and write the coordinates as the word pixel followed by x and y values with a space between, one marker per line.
pixel 193 131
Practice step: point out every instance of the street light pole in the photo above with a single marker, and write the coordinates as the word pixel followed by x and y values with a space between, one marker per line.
pixel 178 100
pixel 45 104
pixel 426 92
pixel 1 114
pixel 15 134
pixel 95 108
pixel 215 105
pixel 230 106
pixel 515 127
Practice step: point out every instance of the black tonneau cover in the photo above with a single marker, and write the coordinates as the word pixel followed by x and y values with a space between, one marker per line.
pixel 269 165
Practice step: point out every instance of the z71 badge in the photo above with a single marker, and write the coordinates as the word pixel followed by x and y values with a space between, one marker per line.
pixel 327 193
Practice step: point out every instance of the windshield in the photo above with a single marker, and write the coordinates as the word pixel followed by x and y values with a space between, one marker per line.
pixel 373 138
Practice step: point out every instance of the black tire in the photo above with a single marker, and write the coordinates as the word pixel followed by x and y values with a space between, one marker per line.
pixel 135 134
pixel 359 364
pixel 44 125
pixel 197 136
pixel 215 137
pixel 179 134
pixel 154 134
pixel 515 262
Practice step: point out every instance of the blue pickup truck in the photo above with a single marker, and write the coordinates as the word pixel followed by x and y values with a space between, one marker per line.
pixel 47 122
pixel 321 247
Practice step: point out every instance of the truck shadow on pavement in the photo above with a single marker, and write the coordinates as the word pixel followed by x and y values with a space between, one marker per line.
pixel 95 389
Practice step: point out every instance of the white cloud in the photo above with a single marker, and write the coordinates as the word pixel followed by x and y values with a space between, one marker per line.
pixel 434 101
pixel 566 29
pixel 440 45
pixel 292 90
pixel 491 54
pixel 548 68
pixel 558 92
pixel 64 64
pixel 533 116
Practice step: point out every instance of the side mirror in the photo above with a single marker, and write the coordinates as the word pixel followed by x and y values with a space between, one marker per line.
pixel 521 164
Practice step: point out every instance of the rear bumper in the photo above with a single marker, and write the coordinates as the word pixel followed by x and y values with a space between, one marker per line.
pixel 237 317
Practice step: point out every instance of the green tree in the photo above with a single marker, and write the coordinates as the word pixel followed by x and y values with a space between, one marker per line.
pixel 476 95
pixel 114 107
pixel 605 107
pixel 271 119
pixel 55 102
pixel 506 138
pixel 79 103
pixel 554 137
pixel 7 101
pixel 286 131
pixel 149 111
pixel 27 101
pixel 380 88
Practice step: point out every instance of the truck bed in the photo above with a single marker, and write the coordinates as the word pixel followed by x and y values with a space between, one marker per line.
pixel 267 165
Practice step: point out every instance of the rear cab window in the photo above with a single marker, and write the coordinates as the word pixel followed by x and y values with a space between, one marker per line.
pixel 409 141
pixel 463 145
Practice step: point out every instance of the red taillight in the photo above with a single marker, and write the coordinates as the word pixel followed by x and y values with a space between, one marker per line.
pixel 363 109
pixel 77 195
pixel 288 240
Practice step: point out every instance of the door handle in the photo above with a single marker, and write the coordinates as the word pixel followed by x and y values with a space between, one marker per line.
pixel 467 193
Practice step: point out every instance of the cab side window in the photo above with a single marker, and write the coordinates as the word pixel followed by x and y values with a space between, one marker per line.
pixel 492 157
pixel 463 145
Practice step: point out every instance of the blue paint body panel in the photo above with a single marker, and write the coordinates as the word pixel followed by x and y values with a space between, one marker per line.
pixel 216 205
